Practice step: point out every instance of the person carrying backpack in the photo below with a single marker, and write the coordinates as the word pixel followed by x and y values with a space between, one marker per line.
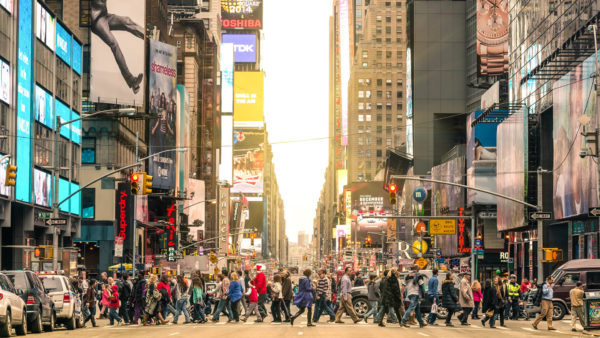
pixel 547 309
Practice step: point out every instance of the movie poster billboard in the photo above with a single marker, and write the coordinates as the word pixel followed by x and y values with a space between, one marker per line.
pixel 247 14
pixel 481 160
pixel 117 51
pixel 44 107
pixel 368 199
pixel 248 161
pixel 5 82
pixel 574 178
pixel 197 206
pixel 511 171
pixel 492 37
pixel 45 26
pixel 42 188
pixel 162 98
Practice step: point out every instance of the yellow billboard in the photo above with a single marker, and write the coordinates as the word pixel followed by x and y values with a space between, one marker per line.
pixel 442 227
pixel 248 99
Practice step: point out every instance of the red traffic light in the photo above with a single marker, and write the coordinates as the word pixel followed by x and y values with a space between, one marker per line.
pixel 135 177
pixel 392 188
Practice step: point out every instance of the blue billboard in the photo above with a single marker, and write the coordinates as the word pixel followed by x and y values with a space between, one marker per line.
pixel 65 115
pixel 244 46
pixel 63 43
pixel 75 128
pixel 44 107
pixel 76 57
pixel 75 201
pixel 24 83
pixel 64 190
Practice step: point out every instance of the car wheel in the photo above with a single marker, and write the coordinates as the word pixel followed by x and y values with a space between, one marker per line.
pixel 36 324
pixel 361 307
pixel 71 322
pixel 442 312
pixel 22 329
pixel 50 326
pixel 558 311
pixel 6 329
pixel 80 320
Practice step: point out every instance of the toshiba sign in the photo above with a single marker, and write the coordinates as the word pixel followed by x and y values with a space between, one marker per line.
pixel 247 14
pixel 244 46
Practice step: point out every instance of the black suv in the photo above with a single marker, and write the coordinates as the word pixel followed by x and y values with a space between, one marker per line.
pixel 40 308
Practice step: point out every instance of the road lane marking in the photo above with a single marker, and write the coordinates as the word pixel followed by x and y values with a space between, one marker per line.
pixel 174 333
pixel 423 334
pixel 300 333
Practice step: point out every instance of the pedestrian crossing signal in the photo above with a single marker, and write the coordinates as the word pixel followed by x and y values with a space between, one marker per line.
pixel 11 175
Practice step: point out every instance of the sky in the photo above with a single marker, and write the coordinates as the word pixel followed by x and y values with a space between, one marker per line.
pixel 295 55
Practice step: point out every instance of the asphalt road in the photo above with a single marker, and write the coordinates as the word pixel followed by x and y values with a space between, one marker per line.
pixel 363 330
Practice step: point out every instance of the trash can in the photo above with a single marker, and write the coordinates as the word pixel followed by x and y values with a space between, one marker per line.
pixel 591 306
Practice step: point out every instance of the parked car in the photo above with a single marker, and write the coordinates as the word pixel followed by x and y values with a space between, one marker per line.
pixel 40 308
pixel 13 310
pixel 67 303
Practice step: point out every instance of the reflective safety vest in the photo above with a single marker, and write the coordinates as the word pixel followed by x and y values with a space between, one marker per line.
pixel 513 290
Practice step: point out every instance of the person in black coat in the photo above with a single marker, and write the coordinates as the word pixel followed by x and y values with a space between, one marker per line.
pixel 449 297
pixel 391 295
pixel 490 302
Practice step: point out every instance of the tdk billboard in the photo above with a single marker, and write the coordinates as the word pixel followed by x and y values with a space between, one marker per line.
pixel 244 46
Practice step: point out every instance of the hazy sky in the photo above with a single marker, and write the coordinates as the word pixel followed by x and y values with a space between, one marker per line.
pixel 295 58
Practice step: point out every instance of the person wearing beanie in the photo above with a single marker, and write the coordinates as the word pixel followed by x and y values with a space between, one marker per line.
pixel 260 282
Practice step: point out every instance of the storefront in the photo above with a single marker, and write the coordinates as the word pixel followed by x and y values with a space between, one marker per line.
pixel 583 238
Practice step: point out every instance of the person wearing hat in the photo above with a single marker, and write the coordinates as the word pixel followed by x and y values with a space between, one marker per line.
pixel 514 295
pixel 260 282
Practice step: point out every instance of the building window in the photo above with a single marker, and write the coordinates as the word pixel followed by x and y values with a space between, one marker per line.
pixel 388 55
pixel 88 202
pixel 361 82
pixel 388 106
pixel 379 106
pixel 388 4
pixel 365 64
pixel 365 54
pixel 399 94
pixel 368 117
pixel 360 129
pixel 379 54
pixel 379 118
pixel 399 106
pixel 88 150
pixel 361 118
pixel 361 94
pixel 398 4
pixel 368 94
pixel 358 14
pixel 378 30
pixel 399 117
pixel 360 141
pixel 368 104
pixel 399 128
pixel 388 40
pixel 399 29
pixel 379 153
pixel 388 142
pixel 399 83
pixel 85 19
pixel 379 141
pixel 388 129
pixel 368 153
pixel 398 18
pixel 378 40
pixel 361 106
pixel 379 82
pixel 388 82
pixel 368 82
pixel 379 129
pixel 368 139
pixel 378 18
pixel 379 94
pixel 399 40
pixel 388 94
pixel 360 153
pixel 388 117
pixel 388 19
pixel 388 30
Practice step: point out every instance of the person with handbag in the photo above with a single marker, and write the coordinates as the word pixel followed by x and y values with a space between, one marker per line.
pixel 198 300
pixel 89 301
pixel 276 299
pixel 488 305
pixel 449 298
pixel 500 306
pixel 235 295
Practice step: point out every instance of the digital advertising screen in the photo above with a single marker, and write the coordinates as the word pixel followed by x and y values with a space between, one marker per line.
pixel 117 52
pixel 248 161
pixel 7 4
pixel 196 214
pixel 63 44
pixel 244 46
pixel 227 77
pixel 247 14
pixel 248 104
pixel 65 115
pixel 574 178
pixel 162 74
pixel 63 192
pixel 4 190
pixel 225 168
pixel 42 188
pixel 24 98
pixel 75 201
pixel 75 128
pixel 45 26
pixel 44 107
pixel 492 37
pixel 368 199
pixel 481 159
pixel 511 171
pixel 77 55
pixel 5 82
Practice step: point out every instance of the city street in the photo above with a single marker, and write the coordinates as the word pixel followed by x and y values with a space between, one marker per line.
pixel 251 329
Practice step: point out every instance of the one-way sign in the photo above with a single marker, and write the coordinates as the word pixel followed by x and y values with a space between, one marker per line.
pixel 540 215
pixel 57 221
pixel 594 211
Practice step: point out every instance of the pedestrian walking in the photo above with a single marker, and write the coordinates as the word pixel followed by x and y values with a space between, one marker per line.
pixel 288 295
pixel 243 303
pixel 359 281
pixel 252 304
pixel 166 302
pixel 220 294
pixel 414 293
pixel 124 295
pixel 577 312
pixel 323 293
pixel 105 299
pixel 391 297
pixel 477 296
pixel 373 297
pixel 276 298
pixel 500 306
pixel 304 298
pixel 514 296
pixel 89 301
pixel 138 297
pixel 153 297
pixel 114 305
pixel 345 298
pixel 432 293
pixel 449 297
pixel 182 301
pixel 489 303
pixel 197 297
pixel 260 282
pixel 235 296
pixel 466 299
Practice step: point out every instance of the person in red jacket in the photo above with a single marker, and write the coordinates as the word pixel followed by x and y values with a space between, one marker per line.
pixel 260 282
pixel 113 306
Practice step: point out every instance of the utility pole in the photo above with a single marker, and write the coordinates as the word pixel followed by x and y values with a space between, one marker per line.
pixel 597 63
pixel 134 237
pixel 55 211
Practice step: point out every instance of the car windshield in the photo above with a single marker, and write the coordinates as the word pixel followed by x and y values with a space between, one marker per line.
pixel 19 280
pixel 556 274
pixel 52 284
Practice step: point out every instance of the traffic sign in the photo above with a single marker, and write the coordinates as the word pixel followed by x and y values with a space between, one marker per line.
pixel 419 194
pixel 419 247
pixel 438 253
pixel 44 215
pixel 540 215
pixel 594 211
pixel 56 221
pixel 421 262
pixel 442 227
pixel 421 229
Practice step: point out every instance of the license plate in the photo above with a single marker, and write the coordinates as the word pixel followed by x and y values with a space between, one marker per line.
pixel 58 310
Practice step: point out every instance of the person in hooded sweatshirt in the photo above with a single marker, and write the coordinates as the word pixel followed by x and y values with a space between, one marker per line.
pixel 113 306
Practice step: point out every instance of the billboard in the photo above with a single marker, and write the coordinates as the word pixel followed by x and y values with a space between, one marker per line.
pixel 44 107
pixel 7 4
pixel 225 168
pixel 344 22
pixel 24 83
pixel 409 103
pixel 196 211
pixel 75 201
pixel 5 82
pixel 481 159
pixel 492 37
pixel 447 199
pixel 42 188
pixel 574 178
pixel 247 14
pixel 183 137
pixel 248 161
pixel 63 44
pixel 77 55
pixel 248 104
pixel 117 52
pixel 45 26
pixel 244 46
pixel 124 213
pixel 4 190
pixel 368 199
pixel 227 78
pixel 511 171
pixel 162 95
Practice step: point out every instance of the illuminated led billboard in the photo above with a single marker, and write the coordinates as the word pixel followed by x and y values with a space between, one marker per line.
pixel 248 104
pixel 247 14
pixel 244 46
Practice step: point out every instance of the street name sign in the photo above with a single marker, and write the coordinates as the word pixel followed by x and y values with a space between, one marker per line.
pixel 57 221
pixel 540 215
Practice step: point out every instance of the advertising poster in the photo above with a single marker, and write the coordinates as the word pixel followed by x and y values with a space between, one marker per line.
pixel 183 137
pixel 511 171
pixel 481 160
pixel 248 104
pixel 225 168
pixel 75 201
pixel 162 103
pixel 227 78
pixel 244 46
pixel 124 215
pixel 248 161
pixel 368 199
pixel 45 26
pixel 64 114
pixel 246 14
pixel 574 178
pixel 63 44
pixel 24 98
pixel 77 55
pixel 593 313
pixel 4 190
pixel 197 208
pixel 492 37
pixel 117 72
pixel 42 188
pixel 5 82
pixel 64 190
pixel 44 107
pixel 7 4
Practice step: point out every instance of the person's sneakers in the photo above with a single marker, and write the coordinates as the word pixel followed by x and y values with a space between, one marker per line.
pixel 534 326
pixel 258 321
pixel 286 321
pixel 339 322
pixel 574 329
pixel 381 324
pixel 551 328
pixel 465 324
pixel 310 324
pixel 404 325
pixel 244 319
pixel 366 321
pixel 356 321
pixel 483 323
pixel 492 327
pixel 422 325
pixel 449 324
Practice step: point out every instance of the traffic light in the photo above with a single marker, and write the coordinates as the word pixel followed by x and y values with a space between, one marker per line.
pixel 393 189
pixel 11 175
pixel 147 184
pixel 135 183
pixel 39 252
pixel 552 255
pixel 368 242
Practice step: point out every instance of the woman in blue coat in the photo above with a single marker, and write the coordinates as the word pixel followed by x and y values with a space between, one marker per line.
pixel 235 295
pixel 304 298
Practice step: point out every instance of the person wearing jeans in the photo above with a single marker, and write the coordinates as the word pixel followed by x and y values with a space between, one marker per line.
pixel 113 306
pixel 181 305
pixel 323 293
pixel 89 301
pixel 414 284
pixel 432 292
pixel 372 297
